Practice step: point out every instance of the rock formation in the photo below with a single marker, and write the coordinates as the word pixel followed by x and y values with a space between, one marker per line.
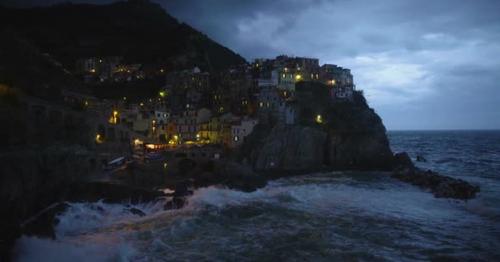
pixel 439 185
pixel 351 136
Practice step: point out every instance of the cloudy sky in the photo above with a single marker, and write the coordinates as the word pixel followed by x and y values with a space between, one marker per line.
pixel 423 64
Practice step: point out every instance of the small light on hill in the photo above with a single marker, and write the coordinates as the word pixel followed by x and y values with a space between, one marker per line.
pixel 319 119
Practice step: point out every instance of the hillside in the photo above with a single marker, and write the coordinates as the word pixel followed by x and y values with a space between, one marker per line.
pixel 138 30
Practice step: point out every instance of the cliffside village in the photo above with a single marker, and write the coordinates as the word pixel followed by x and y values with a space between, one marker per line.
pixel 196 113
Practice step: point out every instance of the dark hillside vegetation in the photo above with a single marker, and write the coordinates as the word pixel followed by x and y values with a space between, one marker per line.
pixel 138 30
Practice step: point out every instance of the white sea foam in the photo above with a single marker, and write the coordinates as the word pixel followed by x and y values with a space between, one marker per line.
pixel 104 232
pixel 87 217
pixel 389 198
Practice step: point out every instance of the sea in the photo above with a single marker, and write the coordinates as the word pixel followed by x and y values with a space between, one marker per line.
pixel 335 216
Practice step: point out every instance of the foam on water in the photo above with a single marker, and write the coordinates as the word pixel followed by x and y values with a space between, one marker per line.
pixel 346 216
pixel 236 222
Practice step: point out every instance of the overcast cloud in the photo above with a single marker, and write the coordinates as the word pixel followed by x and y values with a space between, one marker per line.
pixel 427 64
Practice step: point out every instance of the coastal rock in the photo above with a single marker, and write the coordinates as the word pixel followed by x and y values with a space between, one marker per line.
pixel 137 212
pixel 42 225
pixel 441 186
pixel 362 151
pixel 179 197
pixel 110 193
pixel 31 180
pixel 402 161
pixel 421 159
pixel 175 203
pixel 291 148
pixel 242 177
pixel 349 136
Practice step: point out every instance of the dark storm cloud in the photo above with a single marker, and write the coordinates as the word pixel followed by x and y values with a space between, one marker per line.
pixel 422 64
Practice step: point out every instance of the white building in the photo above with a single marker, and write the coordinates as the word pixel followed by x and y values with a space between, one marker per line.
pixel 240 130
pixel 162 117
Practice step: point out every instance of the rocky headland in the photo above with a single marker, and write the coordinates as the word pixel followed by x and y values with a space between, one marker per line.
pixel 37 181
pixel 48 151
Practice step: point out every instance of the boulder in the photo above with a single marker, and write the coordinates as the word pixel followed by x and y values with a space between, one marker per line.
pixel 42 224
pixel 439 185
pixel 179 197
pixel 242 177
pixel 421 159
pixel 137 212
pixel 175 203
pixel 402 161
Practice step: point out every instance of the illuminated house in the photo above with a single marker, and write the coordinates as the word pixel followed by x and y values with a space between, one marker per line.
pixel 339 80
pixel 187 87
pixel 189 122
pixel 240 130
pixel 161 116
pixel 170 130
pixel 97 69
pixel 210 131
pixel 128 72
pixel 286 71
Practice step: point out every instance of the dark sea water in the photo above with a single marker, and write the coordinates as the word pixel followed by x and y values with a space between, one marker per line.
pixel 318 217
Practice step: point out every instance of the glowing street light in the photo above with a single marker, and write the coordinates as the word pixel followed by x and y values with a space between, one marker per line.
pixel 137 142
pixel 99 139
pixel 319 119
pixel 114 118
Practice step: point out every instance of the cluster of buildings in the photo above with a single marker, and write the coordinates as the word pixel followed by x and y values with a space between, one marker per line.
pixel 277 78
pixel 95 70
pixel 284 72
pixel 196 108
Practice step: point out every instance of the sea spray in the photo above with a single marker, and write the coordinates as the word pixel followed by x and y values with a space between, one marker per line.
pixel 332 215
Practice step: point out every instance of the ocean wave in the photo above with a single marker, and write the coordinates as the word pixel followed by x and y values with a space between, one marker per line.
pixel 330 213
pixel 29 249
pixel 81 218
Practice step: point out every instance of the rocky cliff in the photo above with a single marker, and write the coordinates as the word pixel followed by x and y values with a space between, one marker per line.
pixel 350 136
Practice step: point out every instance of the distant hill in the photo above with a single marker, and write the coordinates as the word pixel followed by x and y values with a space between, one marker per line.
pixel 140 31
